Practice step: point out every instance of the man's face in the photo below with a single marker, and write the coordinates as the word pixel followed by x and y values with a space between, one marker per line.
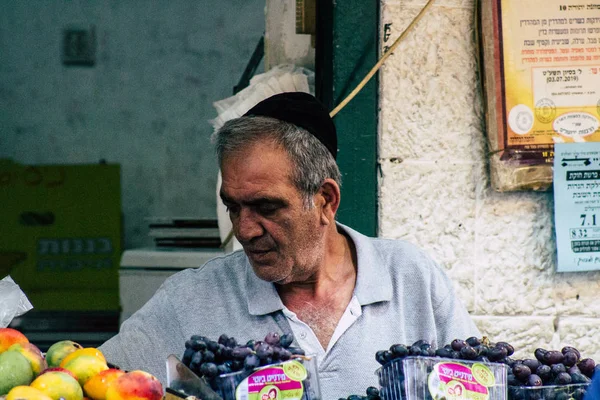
pixel 282 239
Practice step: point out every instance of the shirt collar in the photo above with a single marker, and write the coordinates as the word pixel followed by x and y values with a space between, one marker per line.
pixel 373 282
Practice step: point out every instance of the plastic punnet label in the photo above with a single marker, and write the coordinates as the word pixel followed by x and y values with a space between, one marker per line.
pixel 458 381
pixel 282 382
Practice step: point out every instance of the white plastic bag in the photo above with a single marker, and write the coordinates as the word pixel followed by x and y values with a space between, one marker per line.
pixel 13 301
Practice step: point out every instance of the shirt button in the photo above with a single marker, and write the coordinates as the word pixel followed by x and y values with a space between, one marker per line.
pixel 302 335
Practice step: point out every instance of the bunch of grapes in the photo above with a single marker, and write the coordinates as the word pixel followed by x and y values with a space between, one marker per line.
pixel 551 368
pixel 210 359
pixel 372 394
pixel 472 349
pixel 391 375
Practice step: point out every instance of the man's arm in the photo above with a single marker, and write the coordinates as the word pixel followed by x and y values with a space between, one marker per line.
pixel 148 337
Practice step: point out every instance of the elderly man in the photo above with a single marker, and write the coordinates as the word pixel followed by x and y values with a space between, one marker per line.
pixel 344 296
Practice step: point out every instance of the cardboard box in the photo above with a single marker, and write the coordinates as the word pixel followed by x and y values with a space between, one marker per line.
pixel 60 235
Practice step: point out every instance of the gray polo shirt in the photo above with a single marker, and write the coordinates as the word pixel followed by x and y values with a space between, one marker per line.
pixel 402 293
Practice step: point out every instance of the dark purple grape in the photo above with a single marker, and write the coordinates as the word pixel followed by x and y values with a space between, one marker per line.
pixel 521 372
pixel 553 357
pixel 419 343
pixel 497 353
pixel 444 353
pixel 198 345
pixel 578 377
pixel 237 365
pixel 414 351
pixel 534 380
pixel 251 362
pixel 545 372
pixel 266 361
pixel 399 350
pixel 482 350
pixel 587 366
pixel 300 352
pixel 532 363
pixel 512 380
pixel 231 342
pixel 468 353
pixel 380 357
pixel 571 349
pixel 539 353
pixel 458 344
pixel 574 369
pixel 579 394
pixel 241 352
pixel 285 355
pixel 209 370
pixel 223 339
pixel 264 351
pixel 372 391
pixel 509 349
pixel 196 361
pixel 473 341
pixel 286 340
pixel 557 369
pixel 208 356
pixel 272 338
pixel 223 369
pixel 211 345
pixel 187 356
pixel 570 358
pixel 562 378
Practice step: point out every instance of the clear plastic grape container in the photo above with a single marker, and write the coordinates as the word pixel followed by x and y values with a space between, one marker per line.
pixel 435 378
pixel 292 379
pixel 555 392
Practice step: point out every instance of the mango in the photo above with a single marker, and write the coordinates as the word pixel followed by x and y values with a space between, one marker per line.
pixel 135 385
pixel 59 350
pixel 96 387
pixel 56 385
pixel 26 393
pixel 15 370
pixel 84 367
pixel 10 336
pixel 33 354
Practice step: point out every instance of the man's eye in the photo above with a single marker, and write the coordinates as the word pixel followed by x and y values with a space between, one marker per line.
pixel 232 209
pixel 267 209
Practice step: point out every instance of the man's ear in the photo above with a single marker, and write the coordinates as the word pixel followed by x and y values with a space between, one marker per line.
pixel 329 200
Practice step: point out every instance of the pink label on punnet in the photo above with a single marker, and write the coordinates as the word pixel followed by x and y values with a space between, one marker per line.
pixel 270 383
pixel 458 381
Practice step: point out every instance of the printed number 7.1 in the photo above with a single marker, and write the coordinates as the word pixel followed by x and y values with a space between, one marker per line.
pixel 585 221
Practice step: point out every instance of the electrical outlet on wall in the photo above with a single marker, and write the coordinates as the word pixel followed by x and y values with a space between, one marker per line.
pixel 79 46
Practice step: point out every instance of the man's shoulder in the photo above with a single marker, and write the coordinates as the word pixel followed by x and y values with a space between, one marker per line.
pixel 229 267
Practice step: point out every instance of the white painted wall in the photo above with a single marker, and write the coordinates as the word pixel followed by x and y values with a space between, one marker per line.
pixel 499 248
pixel 145 104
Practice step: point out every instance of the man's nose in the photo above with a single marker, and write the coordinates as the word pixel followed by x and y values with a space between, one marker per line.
pixel 247 226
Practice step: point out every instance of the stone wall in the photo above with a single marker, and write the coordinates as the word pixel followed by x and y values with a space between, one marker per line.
pixel 499 248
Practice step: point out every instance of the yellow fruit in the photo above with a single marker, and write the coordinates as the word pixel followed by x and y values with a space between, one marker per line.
pixel 58 385
pixel 96 387
pixel 88 351
pixel 26 393
pixel 59 350
pixel 85 367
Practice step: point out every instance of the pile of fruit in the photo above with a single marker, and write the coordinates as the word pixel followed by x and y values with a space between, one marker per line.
pixel 67 371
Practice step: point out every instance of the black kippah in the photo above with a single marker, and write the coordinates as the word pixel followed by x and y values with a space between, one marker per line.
pixel 303 110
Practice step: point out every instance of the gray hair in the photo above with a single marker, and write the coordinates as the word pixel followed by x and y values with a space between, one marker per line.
pixel 312 161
